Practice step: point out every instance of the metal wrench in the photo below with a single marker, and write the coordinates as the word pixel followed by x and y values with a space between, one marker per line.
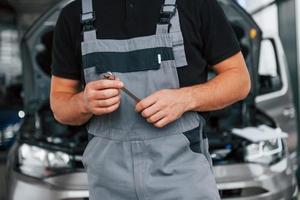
pixel 111 76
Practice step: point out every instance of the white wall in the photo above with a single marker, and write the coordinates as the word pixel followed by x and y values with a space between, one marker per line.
pixel 10 63
pixel 267 19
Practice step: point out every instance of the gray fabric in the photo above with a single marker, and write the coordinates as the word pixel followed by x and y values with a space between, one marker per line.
pixel 162 29
pixel 86 16
pixel 138 43
pixel 87 6
pixel 125 123
pixel 206 152
pixel 90 74
pixel 148 169
pixel 168 8
pixel 90 35
pixel 109 169
pixel 204 145
pixel 179 55
pixel 176 35
pixel 175 23
pixel 172 2
pixel 177 38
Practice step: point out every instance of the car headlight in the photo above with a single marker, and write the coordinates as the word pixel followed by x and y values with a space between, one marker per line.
pixel 38 162
pixel 265 152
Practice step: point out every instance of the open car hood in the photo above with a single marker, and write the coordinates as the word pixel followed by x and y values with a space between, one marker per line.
pixel 40 126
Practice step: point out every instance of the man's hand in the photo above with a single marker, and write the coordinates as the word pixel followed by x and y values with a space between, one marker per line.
pixel 72 106
pixel 103 96
pixel 164 106
pixel 231 84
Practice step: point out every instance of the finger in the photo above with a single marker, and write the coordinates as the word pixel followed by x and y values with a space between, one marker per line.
pixel 145 103
pixel 156 117
pixel 106 94
pixel 108 102
pixel 162 123
pixel 106 84
pixel 151 110
pixel 106 110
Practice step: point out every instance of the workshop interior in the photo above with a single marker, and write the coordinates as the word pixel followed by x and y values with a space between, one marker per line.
pixel 253 143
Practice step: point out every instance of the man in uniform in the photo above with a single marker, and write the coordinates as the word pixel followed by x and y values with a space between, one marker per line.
pixel 135 71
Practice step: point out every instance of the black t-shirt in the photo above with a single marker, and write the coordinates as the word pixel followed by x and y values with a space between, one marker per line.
pixel 208 37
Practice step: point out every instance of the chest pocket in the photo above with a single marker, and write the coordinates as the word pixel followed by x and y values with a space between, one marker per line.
pixel 136 54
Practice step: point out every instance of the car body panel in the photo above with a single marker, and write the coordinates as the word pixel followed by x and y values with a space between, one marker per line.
pixel 274 184
pixel 284 112
pixel 37 190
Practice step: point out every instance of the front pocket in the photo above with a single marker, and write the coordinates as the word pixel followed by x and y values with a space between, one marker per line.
pixel 195 149
pixel 193 138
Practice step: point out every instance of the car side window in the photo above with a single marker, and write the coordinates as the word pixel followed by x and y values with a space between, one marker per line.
pixel 269 74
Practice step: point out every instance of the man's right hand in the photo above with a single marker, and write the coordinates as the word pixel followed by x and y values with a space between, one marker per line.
pixel 102 96
pixel 72 106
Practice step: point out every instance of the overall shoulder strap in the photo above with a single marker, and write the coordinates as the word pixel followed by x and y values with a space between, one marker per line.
pixel 167 12
pixel 169 23
pixel 88 18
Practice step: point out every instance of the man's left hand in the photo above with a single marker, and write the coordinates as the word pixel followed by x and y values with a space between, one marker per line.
pixel 164 106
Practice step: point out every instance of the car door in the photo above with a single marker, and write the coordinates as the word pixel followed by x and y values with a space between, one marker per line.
pixel 274 89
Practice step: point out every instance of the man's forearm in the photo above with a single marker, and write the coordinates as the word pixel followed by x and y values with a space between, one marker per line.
pixel 225 89
pixel 69 108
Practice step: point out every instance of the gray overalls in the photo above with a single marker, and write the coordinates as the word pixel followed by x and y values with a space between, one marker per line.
pixel 128 158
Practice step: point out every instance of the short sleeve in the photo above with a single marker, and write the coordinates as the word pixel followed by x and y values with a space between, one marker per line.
pixel 219 39
pixel 65 62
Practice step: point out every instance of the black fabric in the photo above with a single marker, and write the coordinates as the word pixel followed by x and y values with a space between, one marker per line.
pixel 208 37
pixel 194 138
pixel 139 60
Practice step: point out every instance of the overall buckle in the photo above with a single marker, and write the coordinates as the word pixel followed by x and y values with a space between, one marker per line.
pixel 87 20
pixel 167 12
